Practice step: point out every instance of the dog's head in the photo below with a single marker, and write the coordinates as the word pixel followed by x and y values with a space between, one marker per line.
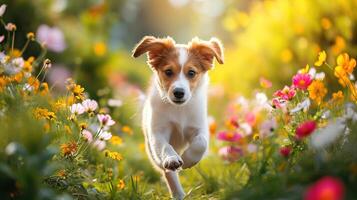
pixel 179 67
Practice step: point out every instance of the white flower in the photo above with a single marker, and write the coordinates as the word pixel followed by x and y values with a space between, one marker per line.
pixel 53 38
pixel 90 105
pixel 77 109
pixel 261 98
pixel 99 144
pixel 246 128
pixel 104 135
pixel 2 9
pixel 11 148
pixel 302 106
pixel 328 134
pixel 267 128
pixel 88 136
pixel 320 76
pixel 13 67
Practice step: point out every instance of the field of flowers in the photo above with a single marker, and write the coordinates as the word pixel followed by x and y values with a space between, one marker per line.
pixel 286 128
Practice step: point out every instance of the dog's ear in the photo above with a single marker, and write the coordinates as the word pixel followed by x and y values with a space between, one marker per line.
pixel 207 50
pixel 155 47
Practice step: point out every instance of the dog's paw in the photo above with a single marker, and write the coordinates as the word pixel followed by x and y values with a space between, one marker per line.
pixel 172 163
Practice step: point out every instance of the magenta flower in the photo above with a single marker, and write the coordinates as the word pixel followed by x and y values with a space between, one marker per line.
pixel 105 120
pixel 305 129
pixel 328 187
pixel 52 38
pixel 229 136
pixel 302 81
pixel 287 93
pixel 230 153
pixel 285 151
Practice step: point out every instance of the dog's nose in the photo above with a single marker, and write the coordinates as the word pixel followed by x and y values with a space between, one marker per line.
pixel 179 93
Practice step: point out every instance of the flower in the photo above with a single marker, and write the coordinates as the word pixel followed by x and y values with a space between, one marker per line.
pixel 105 120
pixel 346 63
pixel 287 93
pixel 99 144
pixel 327 187
pixel 285 151
pixel 69 148
pixel 2 38
pixel 30 36
pixel 99 48
pixel 89 105
pixel 2 9
pixel 305 129
pixel 116 140
pixel 104 135
pixel 317 91
pixel 127 130
pixel 10 27
pixel 321 58
pixel 87 135
pixel 43 113
pixel 338 97
pixel 77 91
pixel 51 37
pixel 230 153
pixel 113 155
pixel 304 105
pixel 267 128
pixel 265 83
pixel 121 184
pixel 302 81
pixel 229 136
pixel 328 134
pixel 77 109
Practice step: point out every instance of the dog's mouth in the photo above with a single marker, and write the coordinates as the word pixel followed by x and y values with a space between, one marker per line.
pixel 179 102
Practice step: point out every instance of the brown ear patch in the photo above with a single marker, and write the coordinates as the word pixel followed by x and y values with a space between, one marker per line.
pixel 157 48
pixel 206 51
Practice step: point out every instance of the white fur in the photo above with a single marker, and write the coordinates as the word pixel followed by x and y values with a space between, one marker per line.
pixel 176 133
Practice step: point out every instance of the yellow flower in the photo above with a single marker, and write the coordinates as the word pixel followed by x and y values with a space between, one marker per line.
pixel 44 89
pixel 121 184
pixel 321 59
pixel 256 136
pixel 338 97
pixel 113 155
pixel 78 91
pixel 43 113
pixel 17 77
pixel 341 74
pixel 59 104
pixel 99 48
pixel 317 91
pixel 34 82
pixel 344 61
pixel 30 36
pixel 127 129
pixel 116 140
pixel 305 70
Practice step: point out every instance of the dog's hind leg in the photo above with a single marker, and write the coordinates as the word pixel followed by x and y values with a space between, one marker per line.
pixel 174 185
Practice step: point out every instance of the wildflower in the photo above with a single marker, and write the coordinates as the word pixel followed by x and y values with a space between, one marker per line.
pixel 104 135
pixel 305 129
pixel 2 38
pixel 15 66
pixel 265 83
pixel 246 128
pixel 52 38
pixel 32 84
pixel 278 103
pixel 83 126
pixel 328 134
pixel 3 83
pixel 302 81
pixel 90 105
pixel 69 148
pixel 317 91
pixel 78 91
pixel 47 64
pixel 43 113
pixel 116 140
pixel 338 97
pixel 105 120
pixel 287 93
pixel 2 9
pixel 44 89
pixel 100 48
pixel 325 188
pixel 87 135
pixel 113 155
pixel 346 63
pixel 256 136
pixel 229 136
pixel 10 27
pixel 212 125
pixel 304 105
pixel 250 118
pixel 252 148
pixel 230 153
pixel 77 109
pixel 121 184
pixel 321 59
pixel 59 104
pixel 285 151
pixel 30 36
pixel 267 128
pixel 99 144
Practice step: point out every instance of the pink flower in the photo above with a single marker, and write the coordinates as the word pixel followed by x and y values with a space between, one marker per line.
pixel 77 109
pixel 250 118
pixel 99 144
pixel 234 121
pixel 265 83
pixel 53 38
pixel 229 136
pixel 305 129
pixel 287 93
pixel 230 153
pixel 90 105
pixel 2 38
pixel 285 151
pixel 302 81
pixel 326 188
pixel 88 136
pixel 105 120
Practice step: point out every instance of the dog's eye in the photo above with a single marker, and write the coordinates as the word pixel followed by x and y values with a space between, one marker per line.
pixel 169 72
pixel 191 74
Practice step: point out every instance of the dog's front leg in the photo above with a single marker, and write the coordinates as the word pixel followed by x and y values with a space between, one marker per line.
pixel 194 153
pixel 163 153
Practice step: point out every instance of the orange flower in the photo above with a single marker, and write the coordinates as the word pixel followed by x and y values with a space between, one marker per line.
pixel 121 184
pixel 347 64
pixel 338 97
pixel 69 148
pixel 317 91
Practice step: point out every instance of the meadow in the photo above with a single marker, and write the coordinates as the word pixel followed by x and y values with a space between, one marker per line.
pixel 282 109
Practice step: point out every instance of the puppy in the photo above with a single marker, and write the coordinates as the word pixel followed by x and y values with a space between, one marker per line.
pixel 175 112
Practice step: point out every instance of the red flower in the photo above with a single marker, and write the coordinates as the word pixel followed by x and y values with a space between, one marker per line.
pixel 302 81
pixel 285 151
pixel 229 136
pixel 305 129
pixel 287 93
pixel 327 188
